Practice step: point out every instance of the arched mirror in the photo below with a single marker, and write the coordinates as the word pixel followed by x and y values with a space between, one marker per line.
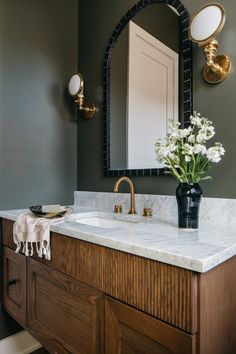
pixel 147 82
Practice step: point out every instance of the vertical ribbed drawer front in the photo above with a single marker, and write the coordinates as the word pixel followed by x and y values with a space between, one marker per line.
pixel 14 284
pixel 161 290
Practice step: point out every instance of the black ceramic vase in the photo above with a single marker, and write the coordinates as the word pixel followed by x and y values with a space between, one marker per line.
pixel 188 199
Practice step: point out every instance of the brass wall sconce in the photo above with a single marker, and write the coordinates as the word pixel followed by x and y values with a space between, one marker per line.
pixel 204 28
pixel 76 90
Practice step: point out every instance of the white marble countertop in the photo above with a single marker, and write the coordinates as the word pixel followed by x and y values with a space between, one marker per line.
pixel 154 238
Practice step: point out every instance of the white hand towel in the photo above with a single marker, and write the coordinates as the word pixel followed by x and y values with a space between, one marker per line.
pixel 29 229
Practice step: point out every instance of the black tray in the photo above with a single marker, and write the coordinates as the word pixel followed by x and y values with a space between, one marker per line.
pixel 37 210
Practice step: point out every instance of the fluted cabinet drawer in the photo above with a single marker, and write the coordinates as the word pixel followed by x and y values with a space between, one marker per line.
pixel 166 292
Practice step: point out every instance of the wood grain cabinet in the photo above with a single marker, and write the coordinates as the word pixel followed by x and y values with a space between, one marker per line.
pixel 64 314
pixel 91 299
pixel 14 285
pixel 132 332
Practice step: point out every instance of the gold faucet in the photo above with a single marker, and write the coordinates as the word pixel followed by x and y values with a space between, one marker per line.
pixel 116 188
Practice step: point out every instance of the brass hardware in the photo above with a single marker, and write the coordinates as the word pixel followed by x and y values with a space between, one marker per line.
pixel 88 108
pixel 217 67
pixel 147 211
pixel 118 209
pixel 131 185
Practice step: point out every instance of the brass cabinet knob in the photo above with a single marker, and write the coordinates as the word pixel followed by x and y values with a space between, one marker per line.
pixel 147 212
pixel 118 209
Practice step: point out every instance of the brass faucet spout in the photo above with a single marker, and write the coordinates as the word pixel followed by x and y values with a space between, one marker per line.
pixel 131 185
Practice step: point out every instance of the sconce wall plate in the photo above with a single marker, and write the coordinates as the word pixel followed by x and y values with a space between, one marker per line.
pixel 204 28
pixel 76 90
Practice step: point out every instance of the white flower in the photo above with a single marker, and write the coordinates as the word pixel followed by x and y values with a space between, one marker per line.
pixel 191 139
pixel 220 148
pixel 183 133
pixel 199 149
pixel 181 146
pixel 207 132
pixel 196 120
pixel 200 138
pixel 187 149
pixel 165 151
pixel 187 158
pixel 214 153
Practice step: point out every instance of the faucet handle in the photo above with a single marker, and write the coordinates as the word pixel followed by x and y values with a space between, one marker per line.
pixel 147 211
pixel 118 209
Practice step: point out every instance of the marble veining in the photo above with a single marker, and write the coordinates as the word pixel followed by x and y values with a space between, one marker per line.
pixel 156 238
pixel 211 209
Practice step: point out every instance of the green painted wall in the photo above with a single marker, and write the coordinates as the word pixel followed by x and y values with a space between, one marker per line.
pixel 97 20
pixel 38 131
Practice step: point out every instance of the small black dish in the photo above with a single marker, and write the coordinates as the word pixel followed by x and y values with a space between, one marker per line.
pixel 37 210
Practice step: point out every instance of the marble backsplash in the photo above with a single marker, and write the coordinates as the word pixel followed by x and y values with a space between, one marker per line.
pixel 215 210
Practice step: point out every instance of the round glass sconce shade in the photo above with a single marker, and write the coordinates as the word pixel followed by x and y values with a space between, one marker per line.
pixel 207 23
pixel 75 84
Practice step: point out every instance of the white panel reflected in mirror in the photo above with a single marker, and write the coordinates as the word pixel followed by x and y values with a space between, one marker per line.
pixel 144 88
pixel 152 96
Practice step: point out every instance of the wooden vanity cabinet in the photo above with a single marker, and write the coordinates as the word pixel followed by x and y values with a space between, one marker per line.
pixel 14 285
pixel 63 314
pixel 133 332
pixel 91 299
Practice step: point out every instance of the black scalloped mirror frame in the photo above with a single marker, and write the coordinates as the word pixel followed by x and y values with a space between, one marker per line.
pixel 186 64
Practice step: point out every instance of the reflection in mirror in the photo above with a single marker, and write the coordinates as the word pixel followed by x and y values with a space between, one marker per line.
pixel 145 86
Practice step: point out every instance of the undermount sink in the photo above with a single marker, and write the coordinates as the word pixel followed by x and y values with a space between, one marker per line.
pixel 102 220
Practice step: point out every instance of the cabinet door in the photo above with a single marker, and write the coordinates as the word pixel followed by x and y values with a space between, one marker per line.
pixel 129 331
pixel 65 315
pixel 14 285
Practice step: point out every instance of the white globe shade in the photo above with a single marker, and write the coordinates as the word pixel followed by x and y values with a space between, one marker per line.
pixel 207 22
pixel 74 86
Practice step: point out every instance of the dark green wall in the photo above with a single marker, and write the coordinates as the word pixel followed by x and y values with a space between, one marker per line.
pixel 162 23
pixel 38 131
pixel 96 23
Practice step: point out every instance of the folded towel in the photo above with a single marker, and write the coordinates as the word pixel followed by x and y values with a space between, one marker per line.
pixel 28 230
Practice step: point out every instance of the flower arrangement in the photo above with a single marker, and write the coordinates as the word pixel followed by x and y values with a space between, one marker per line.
pixel 185 152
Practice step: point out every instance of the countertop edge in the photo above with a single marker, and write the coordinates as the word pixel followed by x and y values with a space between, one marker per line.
pixel 182 261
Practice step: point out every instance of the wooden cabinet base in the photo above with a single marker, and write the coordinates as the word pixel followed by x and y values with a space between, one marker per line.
pixel 65 314
pixel 132 332
pixel 162 309
pixel 14 285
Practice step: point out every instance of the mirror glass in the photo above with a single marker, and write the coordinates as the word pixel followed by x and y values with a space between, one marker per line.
pixel 206 22
pixel 147 83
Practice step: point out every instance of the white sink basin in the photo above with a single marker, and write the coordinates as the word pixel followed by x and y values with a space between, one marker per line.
pixel 103 220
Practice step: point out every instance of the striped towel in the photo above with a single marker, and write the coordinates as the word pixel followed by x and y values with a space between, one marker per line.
pixel 30 230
